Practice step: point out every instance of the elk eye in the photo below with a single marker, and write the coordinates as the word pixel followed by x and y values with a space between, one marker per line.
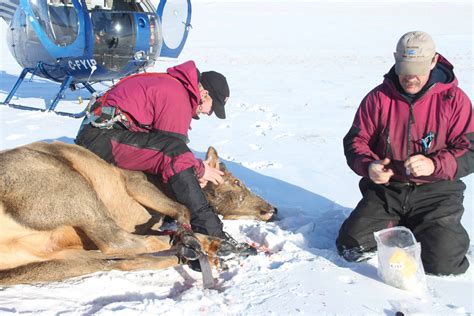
pixel 237 183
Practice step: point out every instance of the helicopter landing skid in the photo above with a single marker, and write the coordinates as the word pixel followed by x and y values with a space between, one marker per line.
pixel 51 108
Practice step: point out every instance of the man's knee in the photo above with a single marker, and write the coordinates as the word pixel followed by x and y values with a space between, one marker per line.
pixel 444 248
pixel 446 266
pixel 441 258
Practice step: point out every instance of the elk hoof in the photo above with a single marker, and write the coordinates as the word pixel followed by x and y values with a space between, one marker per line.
pixel 190 257
pixel 194 265
pixel 246 250
pixel 187 253
pixel 228 250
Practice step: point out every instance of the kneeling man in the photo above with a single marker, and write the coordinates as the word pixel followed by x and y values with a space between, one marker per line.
pixel 412 140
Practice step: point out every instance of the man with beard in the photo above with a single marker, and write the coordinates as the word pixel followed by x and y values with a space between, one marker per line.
pixel 412 140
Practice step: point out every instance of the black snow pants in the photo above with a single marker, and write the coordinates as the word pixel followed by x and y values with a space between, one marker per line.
pixel 158 154
pixel 431 211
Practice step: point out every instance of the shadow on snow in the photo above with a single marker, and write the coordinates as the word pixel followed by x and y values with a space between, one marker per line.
pixel 38 88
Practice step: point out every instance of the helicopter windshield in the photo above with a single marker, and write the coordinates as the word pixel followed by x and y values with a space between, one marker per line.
pixel 120 27
pixel 58 19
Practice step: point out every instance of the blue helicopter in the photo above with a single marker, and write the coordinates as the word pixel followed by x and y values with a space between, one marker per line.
pixel 88 41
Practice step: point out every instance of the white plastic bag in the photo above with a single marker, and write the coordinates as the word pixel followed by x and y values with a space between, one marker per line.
pixel 399 259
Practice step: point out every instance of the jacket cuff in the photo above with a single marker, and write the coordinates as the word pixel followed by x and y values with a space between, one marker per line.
pixel 361 167
pixel 441 172
pixel 435 163
pixel 199 168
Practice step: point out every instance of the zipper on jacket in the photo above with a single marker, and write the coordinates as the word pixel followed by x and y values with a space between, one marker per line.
pixel 411 120
pixel 388 148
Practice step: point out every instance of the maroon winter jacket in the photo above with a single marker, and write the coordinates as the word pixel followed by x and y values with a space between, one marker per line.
pixel 164 102
pixel 388 124
pixel 159 101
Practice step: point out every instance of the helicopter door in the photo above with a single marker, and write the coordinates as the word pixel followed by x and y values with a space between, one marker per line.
pixel 58 24
pixel 175 18
pixel 114 37
pixel 126 35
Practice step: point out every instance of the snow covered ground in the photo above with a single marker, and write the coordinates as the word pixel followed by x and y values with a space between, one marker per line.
pixel 297 71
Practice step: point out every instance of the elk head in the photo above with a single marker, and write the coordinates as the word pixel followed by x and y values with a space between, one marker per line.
pixel 233 199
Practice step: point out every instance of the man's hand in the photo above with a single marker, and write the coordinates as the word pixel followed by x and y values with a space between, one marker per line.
pixel 420 165
pixel 202 182
pixel 378 171
pixel 210 174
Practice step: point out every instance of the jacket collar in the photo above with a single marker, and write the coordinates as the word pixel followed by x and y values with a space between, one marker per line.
pixel 441 78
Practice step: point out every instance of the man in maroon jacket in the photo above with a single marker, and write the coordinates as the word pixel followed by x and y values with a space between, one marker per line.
pixel 142 123
pixel 412 140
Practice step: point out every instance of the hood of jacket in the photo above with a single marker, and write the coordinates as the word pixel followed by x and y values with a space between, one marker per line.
pixel 187 74
pixel 441 78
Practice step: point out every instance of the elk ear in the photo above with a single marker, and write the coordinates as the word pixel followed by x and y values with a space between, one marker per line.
pixel 212 157
pixel 222 166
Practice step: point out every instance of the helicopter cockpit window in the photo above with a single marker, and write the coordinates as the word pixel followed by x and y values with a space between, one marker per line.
pixel 58 19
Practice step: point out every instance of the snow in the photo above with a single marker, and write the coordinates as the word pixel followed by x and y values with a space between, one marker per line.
pixel 297 71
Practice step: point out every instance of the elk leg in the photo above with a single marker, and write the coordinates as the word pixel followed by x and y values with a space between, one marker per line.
pixel 113 240
pixel 146 263
pixel 58 270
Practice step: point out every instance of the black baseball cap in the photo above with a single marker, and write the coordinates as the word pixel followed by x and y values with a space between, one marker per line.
pixel 218 88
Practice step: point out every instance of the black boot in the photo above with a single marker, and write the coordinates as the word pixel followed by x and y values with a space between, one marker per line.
pixel 204 220
pixel 187 191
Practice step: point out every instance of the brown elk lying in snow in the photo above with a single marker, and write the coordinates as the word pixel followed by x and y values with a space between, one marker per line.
pixel 64 212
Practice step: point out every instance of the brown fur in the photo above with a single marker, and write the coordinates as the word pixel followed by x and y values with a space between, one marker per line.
pixel 60 203
pixel 233 199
